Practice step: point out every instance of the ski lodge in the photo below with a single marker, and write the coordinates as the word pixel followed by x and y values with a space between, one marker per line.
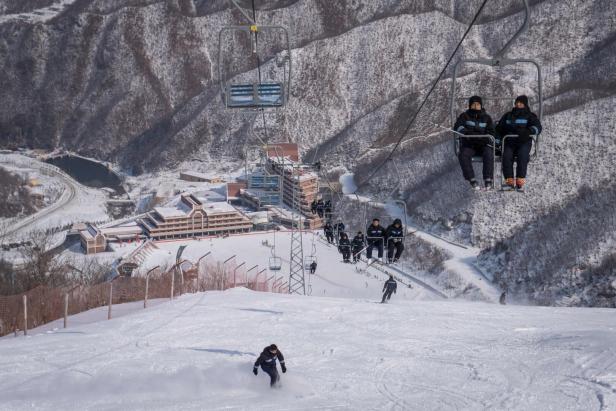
pixel 191 217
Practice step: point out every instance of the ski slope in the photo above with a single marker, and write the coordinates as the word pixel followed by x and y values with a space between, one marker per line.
pixel 196 353
pixel 333 278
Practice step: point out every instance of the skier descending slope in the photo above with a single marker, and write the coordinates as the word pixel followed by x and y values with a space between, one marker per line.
pixel 267 361
pixel 389 287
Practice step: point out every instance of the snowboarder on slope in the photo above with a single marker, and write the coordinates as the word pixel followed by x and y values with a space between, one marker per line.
pixel 375 234
pixel 267 361
pixel 329 232
pixel 389 287
pixel 358 245
pixel 474 122
pixel 344 246
pixel 522 122
pixel 395 241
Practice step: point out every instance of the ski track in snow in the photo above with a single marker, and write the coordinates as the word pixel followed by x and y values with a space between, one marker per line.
pixel 197 353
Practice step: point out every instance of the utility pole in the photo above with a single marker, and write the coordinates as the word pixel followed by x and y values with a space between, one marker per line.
pixel 297 283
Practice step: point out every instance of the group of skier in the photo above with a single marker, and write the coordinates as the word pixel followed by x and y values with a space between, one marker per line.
pixel 520 124
pixel 377 237
pixel 321 208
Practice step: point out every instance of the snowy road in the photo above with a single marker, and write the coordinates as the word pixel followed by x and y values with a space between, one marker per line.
pixel 77 202
pixel 348 354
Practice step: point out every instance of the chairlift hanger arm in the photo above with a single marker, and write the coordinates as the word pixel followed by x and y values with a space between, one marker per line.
pixel 525 25
pixel 241 10
pixel 496 63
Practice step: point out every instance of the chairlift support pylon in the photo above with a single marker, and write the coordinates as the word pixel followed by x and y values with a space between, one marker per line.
pixel 499 60
pixel 260 94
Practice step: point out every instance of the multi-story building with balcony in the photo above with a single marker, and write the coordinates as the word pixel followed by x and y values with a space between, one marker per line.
pixel 191 217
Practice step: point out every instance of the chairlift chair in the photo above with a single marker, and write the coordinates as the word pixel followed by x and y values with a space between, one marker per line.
pixel 382 215
pixel 308 261
pixel 499 61
pixel 259 94
pixel 275 263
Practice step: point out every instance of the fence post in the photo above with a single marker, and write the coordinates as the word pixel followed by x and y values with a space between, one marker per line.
pixel 172 282
pixel 110 300
pixel 147 284
pixel 25 299
pixel 65 310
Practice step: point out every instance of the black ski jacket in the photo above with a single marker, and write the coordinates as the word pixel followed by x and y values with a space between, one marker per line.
pixel 268 360
pixel 395 232
pixel 473 123
pixel 344 244
pixel 358 242
pixel 390 285
pixel 519 118
pixel 328 229
pixel 373 231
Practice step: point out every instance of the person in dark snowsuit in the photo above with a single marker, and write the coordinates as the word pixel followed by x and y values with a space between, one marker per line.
pixel 389 288
pixel 313 207
pixel 522 122
pixel 320 208
pixel 357 245
pixel 395 241
pixel 503 298
pixel 340 228
pixel 267 361
pixel 329 232
pixel 344 246
pixel 313 267
pixel 475 121
pixel 328 209
pixel 375 236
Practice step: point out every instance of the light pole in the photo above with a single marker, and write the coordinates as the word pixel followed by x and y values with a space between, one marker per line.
pixel 235 270
pixel 147 284
pixel 223 270
pixel 257 277
pixel 172 270
pixel 249 270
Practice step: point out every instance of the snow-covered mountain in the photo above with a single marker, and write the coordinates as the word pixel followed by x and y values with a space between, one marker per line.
pixel 136 81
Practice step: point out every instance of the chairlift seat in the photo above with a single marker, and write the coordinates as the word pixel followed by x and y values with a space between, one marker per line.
pixel 275 263
pixel 259 95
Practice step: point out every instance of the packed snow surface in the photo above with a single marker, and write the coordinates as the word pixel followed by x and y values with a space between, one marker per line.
pixel 342 354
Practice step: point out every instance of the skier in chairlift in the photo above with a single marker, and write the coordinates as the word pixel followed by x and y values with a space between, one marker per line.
pixel 357 245
pixel 328 229
pixel 395 241
pixel 344 246
pixel 474 122
pixel 375 236
pixel 520 121
pixel 320 207
pixel 267 361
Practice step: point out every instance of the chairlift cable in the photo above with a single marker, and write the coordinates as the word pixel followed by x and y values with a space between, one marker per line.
pixel 425 100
